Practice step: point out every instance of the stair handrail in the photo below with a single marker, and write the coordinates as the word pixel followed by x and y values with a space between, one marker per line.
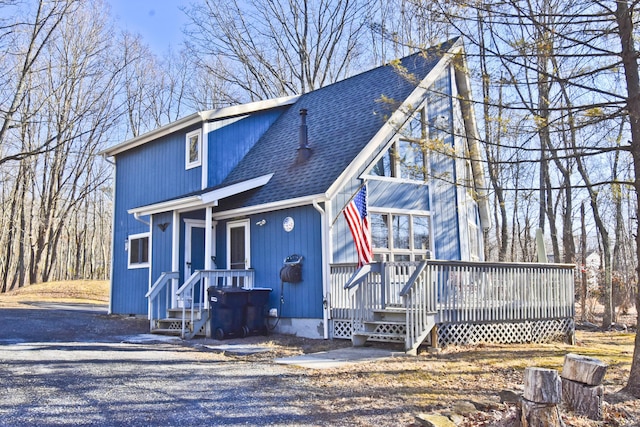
pixel 188 287
pixel 159 285
pixel 359 296
pixel 419 297
pixel 361 274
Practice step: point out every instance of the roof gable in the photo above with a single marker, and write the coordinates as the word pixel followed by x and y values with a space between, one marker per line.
pixel 342 119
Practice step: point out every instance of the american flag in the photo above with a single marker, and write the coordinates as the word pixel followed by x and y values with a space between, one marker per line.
pixel 356 214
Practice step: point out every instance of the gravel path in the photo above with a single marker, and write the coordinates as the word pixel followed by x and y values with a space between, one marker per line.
pixel 60 367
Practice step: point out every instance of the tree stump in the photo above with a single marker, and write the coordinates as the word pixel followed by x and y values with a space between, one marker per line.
pixel 542 393
pixel 583 369
pixel 582 389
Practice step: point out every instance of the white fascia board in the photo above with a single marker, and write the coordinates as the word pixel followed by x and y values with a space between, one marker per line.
pixel 183 123
pixel 233 189
pixel 270 207
pixel 200 117
pixel 171 205
pixel 248 108
pixel 209 198
pixel 394 123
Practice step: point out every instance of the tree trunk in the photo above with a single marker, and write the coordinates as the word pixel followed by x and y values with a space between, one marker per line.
pixel 630 63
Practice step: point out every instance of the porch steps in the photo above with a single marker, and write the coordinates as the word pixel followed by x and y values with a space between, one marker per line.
pixel 389 325
pixel 172 324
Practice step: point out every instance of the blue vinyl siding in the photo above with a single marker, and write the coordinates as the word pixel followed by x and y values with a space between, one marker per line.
pixel 161 245
pixel 147 174
pixel 270 245
pixel 443 171
pixel 155 172
pixel 231 139
pixel 398 195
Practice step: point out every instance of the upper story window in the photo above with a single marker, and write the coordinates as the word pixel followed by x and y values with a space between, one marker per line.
pixel 193 149
pixel 407 158
pixel 138 248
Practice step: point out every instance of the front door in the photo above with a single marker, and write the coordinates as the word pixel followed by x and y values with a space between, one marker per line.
pixel 238 248
pixel 194 251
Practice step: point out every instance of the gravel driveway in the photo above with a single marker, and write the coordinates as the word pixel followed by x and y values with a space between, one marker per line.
pixel 73 366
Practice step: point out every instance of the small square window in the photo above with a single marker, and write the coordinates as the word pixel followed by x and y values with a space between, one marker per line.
pixel 193 150
pixel 138 248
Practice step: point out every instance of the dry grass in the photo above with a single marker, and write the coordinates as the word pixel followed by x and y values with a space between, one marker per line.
pixel 431 382
pixel 74 291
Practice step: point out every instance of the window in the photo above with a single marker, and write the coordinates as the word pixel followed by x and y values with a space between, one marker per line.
pixel 407 158
pixel 193 150
pixel 400 237
pixel 138 248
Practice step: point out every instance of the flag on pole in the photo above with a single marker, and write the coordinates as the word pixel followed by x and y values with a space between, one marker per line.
pixel 357 218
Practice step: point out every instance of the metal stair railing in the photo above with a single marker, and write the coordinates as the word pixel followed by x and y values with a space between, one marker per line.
pixel 156 294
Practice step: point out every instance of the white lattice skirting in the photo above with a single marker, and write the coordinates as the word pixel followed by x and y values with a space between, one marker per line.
pixel 538 331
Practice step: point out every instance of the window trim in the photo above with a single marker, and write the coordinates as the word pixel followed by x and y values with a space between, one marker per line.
pixel 138 236
pixel 391 251
pixel 187 149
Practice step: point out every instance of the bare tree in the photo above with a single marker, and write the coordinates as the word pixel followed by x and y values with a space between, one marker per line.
pixel 277 48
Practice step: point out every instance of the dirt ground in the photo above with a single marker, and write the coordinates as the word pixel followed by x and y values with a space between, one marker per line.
pixel 435 382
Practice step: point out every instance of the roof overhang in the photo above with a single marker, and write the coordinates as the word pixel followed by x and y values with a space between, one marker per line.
pixel 197 118
pixel 206 198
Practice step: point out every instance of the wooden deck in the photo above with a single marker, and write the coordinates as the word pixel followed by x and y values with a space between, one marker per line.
pixel 471 301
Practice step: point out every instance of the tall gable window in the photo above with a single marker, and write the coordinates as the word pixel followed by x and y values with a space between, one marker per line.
pixel 193 150
pixel 407 158
pixel 138 247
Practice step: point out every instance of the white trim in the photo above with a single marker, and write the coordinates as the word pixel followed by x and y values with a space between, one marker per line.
pixel 175 255
pixel 209 198
pixel 136 236
pixel 196 118
pixel 189 225
pixel 247 241
pixel 187 149
pixel 204 152
pixel 274 206
pixel 113 235
pixel 233 189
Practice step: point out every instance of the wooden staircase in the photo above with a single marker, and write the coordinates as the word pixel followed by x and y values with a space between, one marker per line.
pixel 390 325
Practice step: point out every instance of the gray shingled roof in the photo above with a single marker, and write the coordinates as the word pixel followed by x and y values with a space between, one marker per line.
pixel 342 118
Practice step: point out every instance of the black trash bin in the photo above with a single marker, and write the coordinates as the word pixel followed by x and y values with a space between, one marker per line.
pixel 227 307
pixel 255 320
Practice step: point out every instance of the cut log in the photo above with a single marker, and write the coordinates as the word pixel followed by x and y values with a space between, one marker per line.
pixel 542 385
pixel 583 369
pixel 540 415
pixel 583 399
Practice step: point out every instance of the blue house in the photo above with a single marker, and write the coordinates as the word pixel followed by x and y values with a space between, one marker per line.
pixel 224 198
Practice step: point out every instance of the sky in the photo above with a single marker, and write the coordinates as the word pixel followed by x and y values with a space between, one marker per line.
pixel 159 22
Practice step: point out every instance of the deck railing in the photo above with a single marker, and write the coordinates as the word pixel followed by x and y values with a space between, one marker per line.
pixel 420 301
pixel 458 291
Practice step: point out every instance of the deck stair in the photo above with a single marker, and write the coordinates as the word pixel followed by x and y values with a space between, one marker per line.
pixel 387 325
pixel 390 325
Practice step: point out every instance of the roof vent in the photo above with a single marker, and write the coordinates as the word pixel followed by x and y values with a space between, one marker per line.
pixel 304 151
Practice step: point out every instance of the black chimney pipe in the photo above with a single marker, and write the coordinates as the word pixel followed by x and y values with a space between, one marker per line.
pixel 304 151
pixel 302 137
